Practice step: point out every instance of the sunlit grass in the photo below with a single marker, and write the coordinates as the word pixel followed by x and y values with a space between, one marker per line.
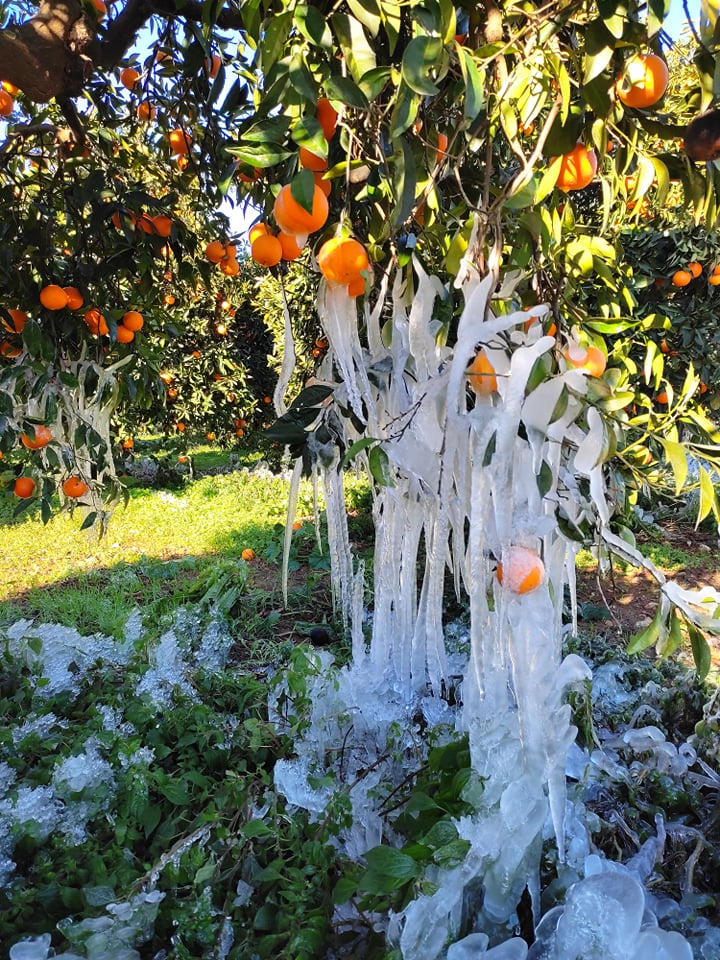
pixel 214 514
pixel 158 552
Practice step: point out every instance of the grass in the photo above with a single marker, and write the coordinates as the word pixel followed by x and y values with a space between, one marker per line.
pixel 167 549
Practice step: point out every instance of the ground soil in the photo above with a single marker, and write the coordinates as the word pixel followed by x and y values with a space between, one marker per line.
pixel 625 599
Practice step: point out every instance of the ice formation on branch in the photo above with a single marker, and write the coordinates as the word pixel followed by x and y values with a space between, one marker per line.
pixel 463 481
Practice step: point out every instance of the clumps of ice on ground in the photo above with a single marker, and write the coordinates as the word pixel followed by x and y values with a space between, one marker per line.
pixel 382 736
pixel 103 938
pixel 60 660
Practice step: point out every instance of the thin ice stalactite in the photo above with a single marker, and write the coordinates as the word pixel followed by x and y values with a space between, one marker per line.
pixel 289 358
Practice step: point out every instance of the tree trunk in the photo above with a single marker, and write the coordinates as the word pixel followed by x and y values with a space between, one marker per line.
pixel 52 54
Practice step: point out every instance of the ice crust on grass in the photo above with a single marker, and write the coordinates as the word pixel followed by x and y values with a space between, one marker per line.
pixel 605 918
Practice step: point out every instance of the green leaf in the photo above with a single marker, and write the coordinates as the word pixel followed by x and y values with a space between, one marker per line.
pixel 358 53
pixel 380 467
pixel 176 792
pixel 474 84
pixel 406 109
pixel 391 13
pixel 599 49
pixel 89 520
pixel 312 24
pixel 307 132
pixel 404 182
pixel 345 888
pixel 352 95
pixel 422 57
pixel 544 478
pixel 645 638
pixel 261 155
pixel 302 188
pixel 357 448
pixel 301 78
pixel 276 30
pixel 657 11
pixel 673 638
pixel 677 455
pixel 368 14
pixel 708 500
pixel 388 864
pixel 702 655
pixel 269 129
pixel 564 135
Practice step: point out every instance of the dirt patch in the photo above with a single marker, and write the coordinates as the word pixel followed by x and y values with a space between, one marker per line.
pixel 624 599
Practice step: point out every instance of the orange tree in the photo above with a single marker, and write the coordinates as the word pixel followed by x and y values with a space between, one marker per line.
pixel 522 139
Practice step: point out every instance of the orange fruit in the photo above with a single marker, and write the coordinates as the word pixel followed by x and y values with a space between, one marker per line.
pixel 123 334
pixel 145 111
pixel 325 185
pixel 210 437
pixel 714 280
pixel 180 426
pixel 356 287
pixel 577 169
pixel 229 266
pixel 166 376
pixel 342 261
pixel 43 436
pixel 591 359
pixel 168 299
pixel 311 161
pixel 183 162
pixel 133 320
pixel 74 487
pixel 442 145
pixel 328 117
pixel 74 298
pixel 6 103
pixel 100 7
pixel 96 322
pixel 24 487
pixel 248 554
pixel 220 329
pixel 662 397
pixel 481 375
pixel 643 82
pixel 258 230
pixel 212 65
pixel 292 218
pixel 289 245
pixel 695 268
pixel 239 432
pixel 129 77
pixel 681 278
pixel 128 443
pixel 522 571
pixel 297 525
pixel 117 218
pixel 215 251
pixel 267 251
pixel 9 350
pixel 180 141
pixel 9 88
pixel 53 297
pixel 162 225
pixel 19 319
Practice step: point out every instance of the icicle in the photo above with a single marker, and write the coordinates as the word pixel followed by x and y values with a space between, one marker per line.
pixel 293 492
pixel 288 360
